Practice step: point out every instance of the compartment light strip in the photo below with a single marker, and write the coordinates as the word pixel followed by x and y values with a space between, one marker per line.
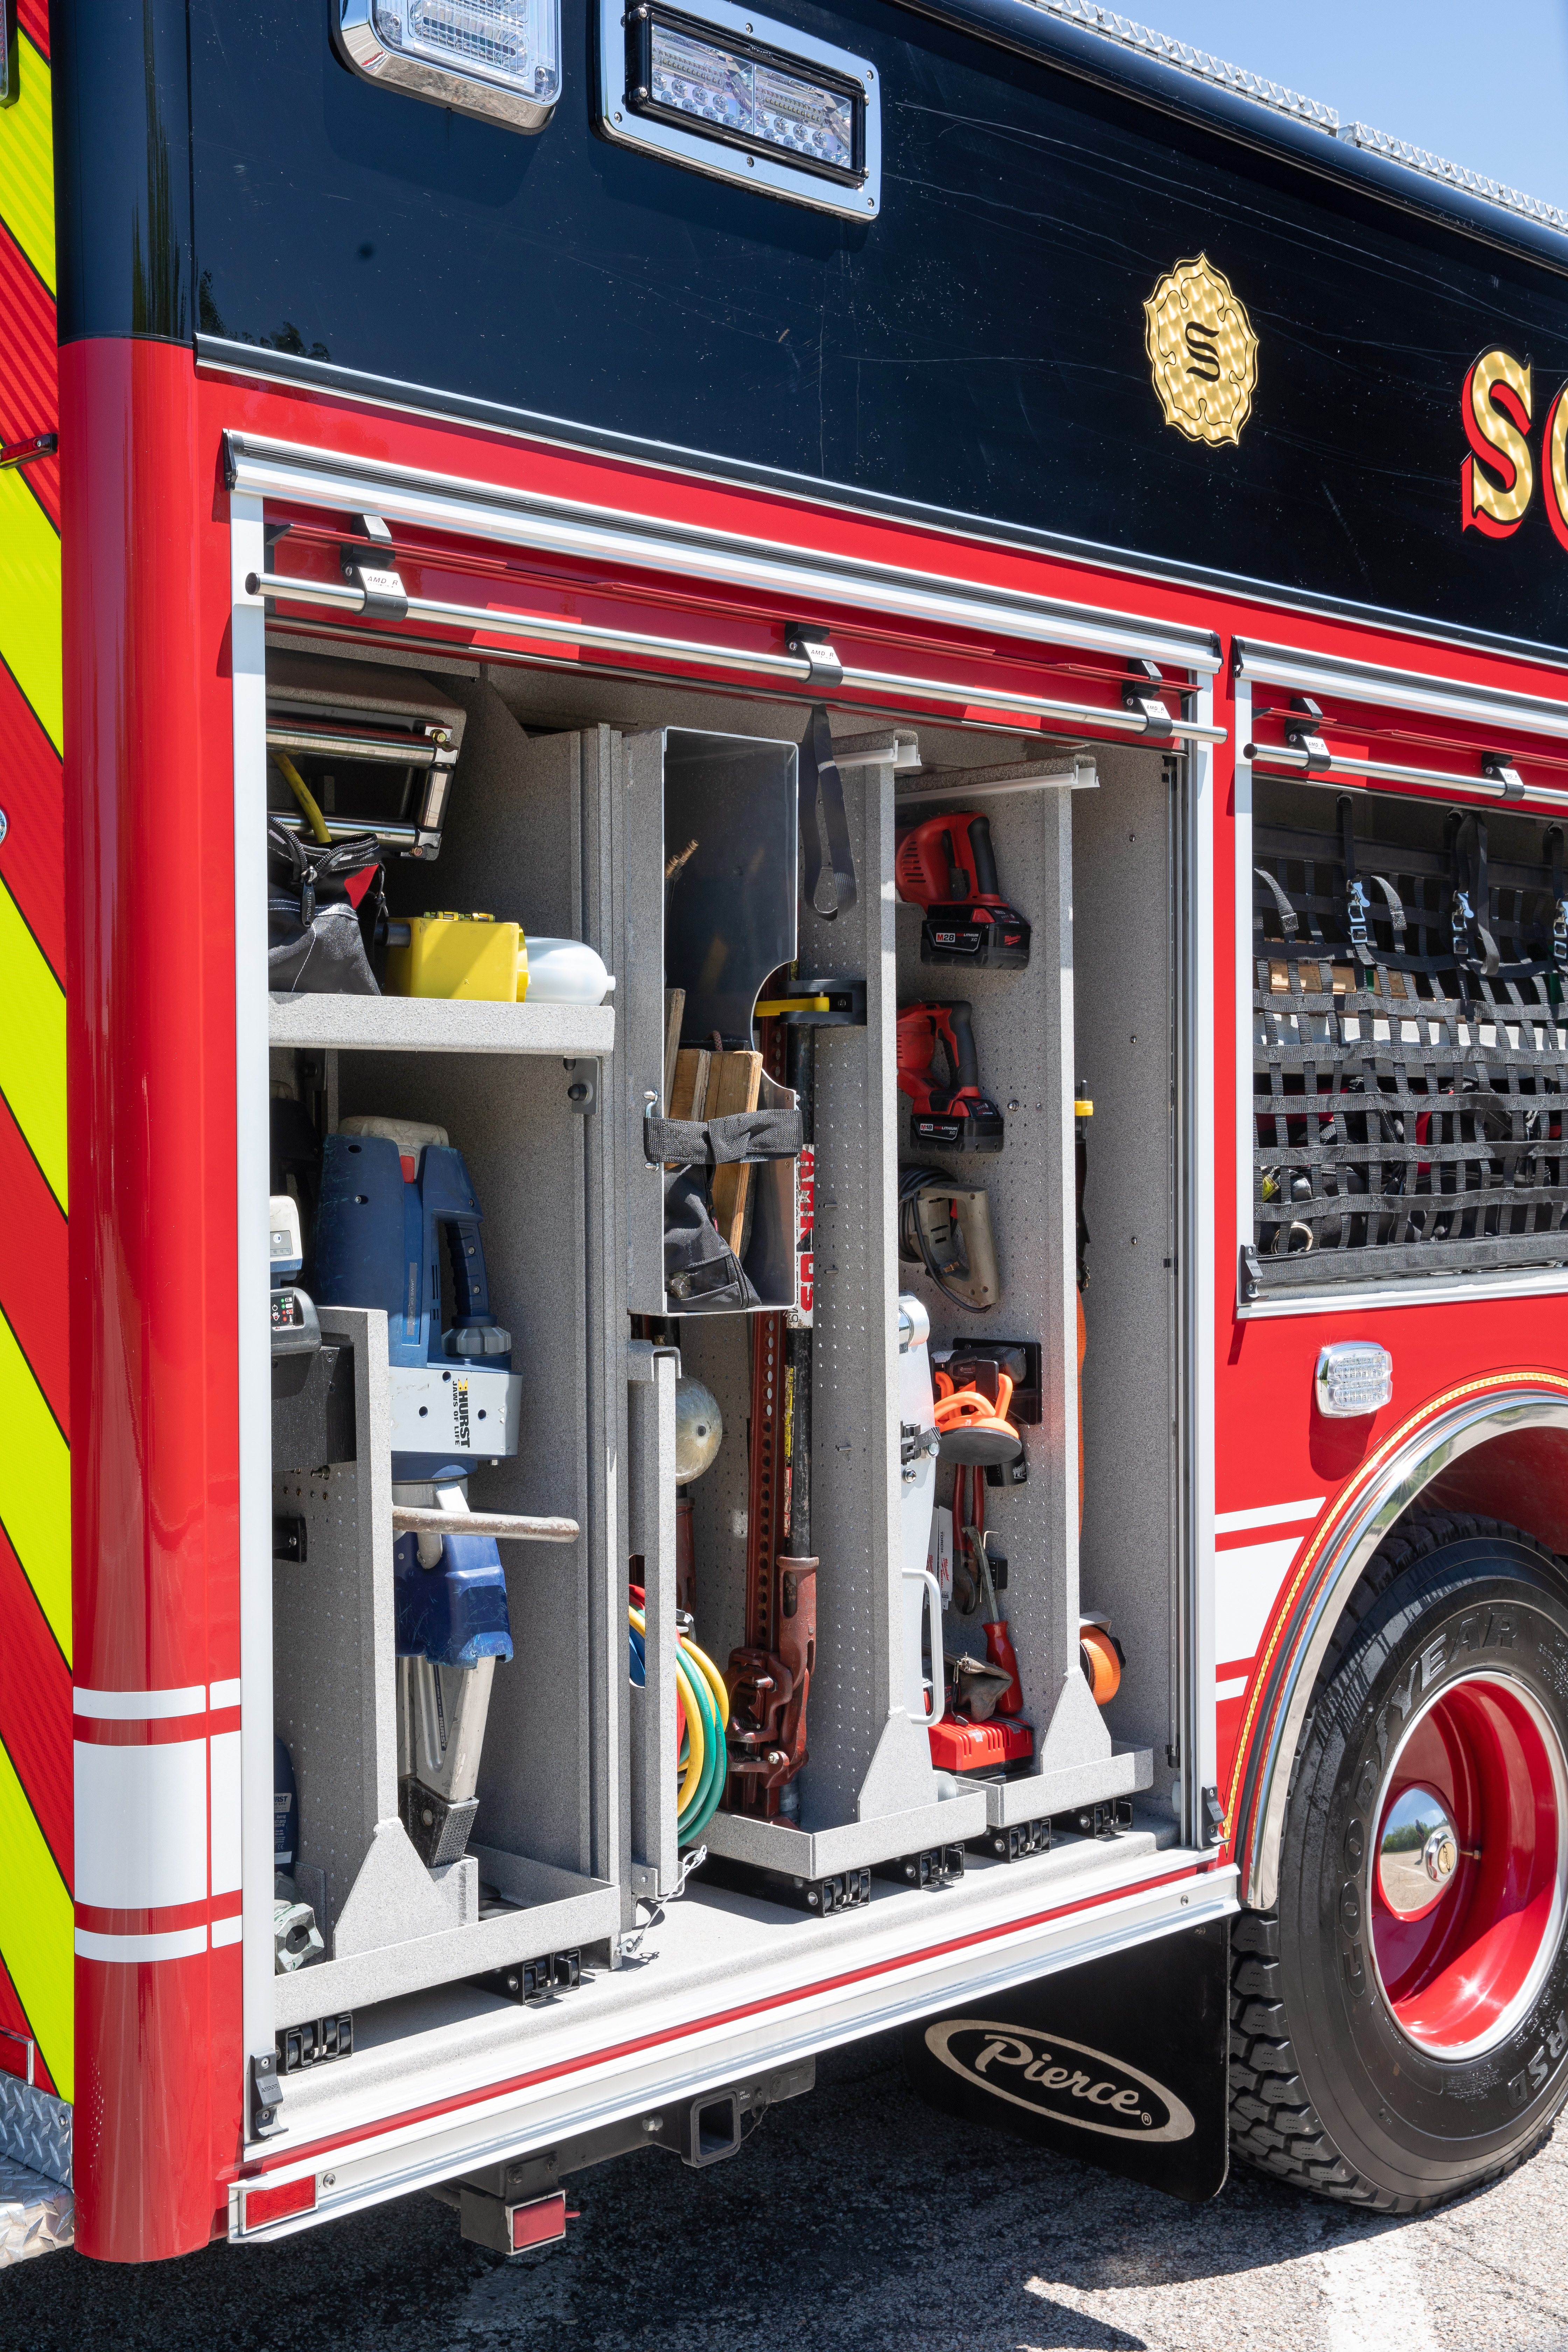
pixel 796 667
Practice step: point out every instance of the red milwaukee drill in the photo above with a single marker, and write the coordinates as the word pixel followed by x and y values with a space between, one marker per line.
pixel 946 865
pixel 953 1116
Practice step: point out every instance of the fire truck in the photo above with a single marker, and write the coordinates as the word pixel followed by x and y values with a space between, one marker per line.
pixel 782 1100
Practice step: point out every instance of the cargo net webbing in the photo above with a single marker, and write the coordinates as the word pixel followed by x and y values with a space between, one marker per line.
pixel 1409 1064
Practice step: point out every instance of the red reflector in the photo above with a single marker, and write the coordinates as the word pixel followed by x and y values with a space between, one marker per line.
pixel 540 2223
pixel 264 2205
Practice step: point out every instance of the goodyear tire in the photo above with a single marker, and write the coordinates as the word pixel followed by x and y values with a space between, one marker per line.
pixel 1400 2019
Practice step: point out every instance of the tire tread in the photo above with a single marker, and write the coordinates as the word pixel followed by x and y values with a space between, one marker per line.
pixel 1273 2127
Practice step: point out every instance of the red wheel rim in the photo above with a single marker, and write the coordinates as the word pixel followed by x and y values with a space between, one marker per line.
pixel 1469 1865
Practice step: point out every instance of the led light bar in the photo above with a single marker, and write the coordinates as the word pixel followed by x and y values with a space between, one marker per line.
pixel 1354 1377
pixel 745 99
pixel 496 59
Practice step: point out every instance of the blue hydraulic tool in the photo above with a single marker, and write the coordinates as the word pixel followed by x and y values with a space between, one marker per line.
pixel 384 1211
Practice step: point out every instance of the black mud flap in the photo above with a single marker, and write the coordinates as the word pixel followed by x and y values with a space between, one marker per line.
pixel 1121 2062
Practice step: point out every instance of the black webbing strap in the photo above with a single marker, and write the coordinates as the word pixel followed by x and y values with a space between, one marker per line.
pixel 1558 905
pixel 1357 906
pixel 821 782
pixel 1289 922
pixel 723 1142
pixel 1472 896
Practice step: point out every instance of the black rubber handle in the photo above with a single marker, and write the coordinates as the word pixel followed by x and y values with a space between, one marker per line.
pixel 960 1038
pixel 982 859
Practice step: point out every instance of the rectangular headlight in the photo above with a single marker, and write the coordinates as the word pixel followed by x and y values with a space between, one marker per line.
pixel 498 58
pixel 742 98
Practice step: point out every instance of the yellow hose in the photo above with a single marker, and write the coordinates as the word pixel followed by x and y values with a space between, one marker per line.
pixel 715 1679
pixel 302 794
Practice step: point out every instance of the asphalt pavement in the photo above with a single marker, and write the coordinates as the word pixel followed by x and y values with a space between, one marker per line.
pixel 855 2218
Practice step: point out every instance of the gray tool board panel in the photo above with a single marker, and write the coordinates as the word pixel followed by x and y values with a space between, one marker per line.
pixel 332 1630
pixel 1023 1033
pixel 1122 837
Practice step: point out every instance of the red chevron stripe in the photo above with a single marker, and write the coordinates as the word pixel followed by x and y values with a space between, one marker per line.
pixel 33 853
pixel 36 1708
pixel 29 368
pixel 33 1279
pixel 33 16
pixel 14 2017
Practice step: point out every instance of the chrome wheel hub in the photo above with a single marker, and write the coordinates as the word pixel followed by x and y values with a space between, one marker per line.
pixel 1417 1854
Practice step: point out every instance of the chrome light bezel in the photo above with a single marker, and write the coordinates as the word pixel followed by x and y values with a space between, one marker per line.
pixel 364 51
pixel 751 164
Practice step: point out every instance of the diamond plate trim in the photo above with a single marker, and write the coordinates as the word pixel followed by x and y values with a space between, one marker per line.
pixel 34 2131
pixel 36 2216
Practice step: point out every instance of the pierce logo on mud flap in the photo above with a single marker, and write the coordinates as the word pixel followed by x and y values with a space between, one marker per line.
pixel 1066 2081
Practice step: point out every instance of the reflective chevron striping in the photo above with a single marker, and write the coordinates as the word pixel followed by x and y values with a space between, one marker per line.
pixel 34 1274
pixel 35 1491
pixel 35 1924
pixel 26 164
pixel 33 1045
pixel 33 853
pixel 35 1710
pixel 29 368
pixel 30 600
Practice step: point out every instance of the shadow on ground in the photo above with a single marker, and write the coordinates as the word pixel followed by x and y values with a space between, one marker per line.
pixel 855 2218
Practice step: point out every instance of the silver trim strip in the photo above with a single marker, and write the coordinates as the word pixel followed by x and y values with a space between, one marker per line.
pixel 801 576
pixel 1405 689
pixel 793 667
pixel 1391 1493
pixel 1293 767
pixel 410 753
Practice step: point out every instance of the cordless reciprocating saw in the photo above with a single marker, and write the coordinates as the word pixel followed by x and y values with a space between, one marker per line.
pixel 948 1112
pixel 947 867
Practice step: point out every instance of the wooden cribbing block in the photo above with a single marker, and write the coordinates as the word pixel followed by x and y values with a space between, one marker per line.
pixel 735 1084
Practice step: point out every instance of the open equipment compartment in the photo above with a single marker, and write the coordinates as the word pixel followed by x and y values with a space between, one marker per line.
pixel 541 1871
pixel 573 809
pixel 1040 1029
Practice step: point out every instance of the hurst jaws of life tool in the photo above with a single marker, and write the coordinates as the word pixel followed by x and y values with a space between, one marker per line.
pixel 946 865
pixel 390 1190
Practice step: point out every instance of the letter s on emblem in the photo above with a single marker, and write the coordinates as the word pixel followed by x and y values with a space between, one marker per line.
pixel 1496 479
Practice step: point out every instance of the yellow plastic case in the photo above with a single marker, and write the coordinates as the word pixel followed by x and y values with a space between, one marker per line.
pixel 460 955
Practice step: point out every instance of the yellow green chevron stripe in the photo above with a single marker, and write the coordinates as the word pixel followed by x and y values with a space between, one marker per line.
pixel 30 594
pixel 35 1489
pixel 26 164
pixel 33 1045
pixel 36 1939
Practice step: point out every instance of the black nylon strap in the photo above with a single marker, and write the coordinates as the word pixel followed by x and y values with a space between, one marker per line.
pixel 1474 947
pixel 1289 922
pixel 820 780
pixel 723 1142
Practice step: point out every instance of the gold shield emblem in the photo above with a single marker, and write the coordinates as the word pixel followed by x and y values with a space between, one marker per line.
pixel 1203 352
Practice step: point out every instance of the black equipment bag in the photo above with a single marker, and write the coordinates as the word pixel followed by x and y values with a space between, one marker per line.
pixel 324 902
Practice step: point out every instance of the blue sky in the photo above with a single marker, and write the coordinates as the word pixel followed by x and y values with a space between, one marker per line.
pixel 1483 82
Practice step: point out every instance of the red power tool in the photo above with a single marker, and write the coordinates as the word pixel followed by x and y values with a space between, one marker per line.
pixel 946 865
pixel 954 1116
